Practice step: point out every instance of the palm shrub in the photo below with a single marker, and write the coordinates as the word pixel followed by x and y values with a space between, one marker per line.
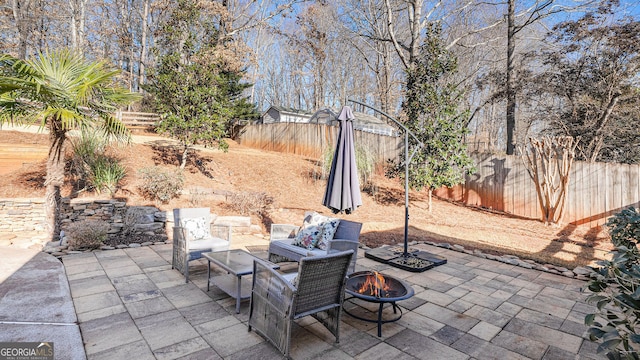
pixel 93 167
pixel 106 173
pixel 615 290
pixel 62 91
pixel 86 146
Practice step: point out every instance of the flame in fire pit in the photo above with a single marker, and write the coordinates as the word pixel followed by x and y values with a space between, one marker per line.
pixel 374 285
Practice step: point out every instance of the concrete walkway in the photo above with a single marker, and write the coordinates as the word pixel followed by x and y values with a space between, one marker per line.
pixel 131 304
pixel 36 304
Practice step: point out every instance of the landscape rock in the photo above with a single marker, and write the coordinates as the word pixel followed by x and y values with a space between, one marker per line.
pixel 234 221
pixel 525 265
pixel 583 270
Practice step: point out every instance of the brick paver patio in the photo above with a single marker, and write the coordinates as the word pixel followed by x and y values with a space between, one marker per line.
pixel 131 304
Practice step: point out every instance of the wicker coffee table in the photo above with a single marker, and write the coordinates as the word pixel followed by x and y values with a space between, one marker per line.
pixel 237 263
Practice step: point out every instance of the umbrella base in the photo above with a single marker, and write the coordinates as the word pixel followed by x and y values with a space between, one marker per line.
pixel 414 261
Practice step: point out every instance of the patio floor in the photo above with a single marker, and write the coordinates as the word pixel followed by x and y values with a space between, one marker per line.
pixel 131 304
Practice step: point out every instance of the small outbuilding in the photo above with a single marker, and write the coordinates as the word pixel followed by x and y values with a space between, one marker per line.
pixel 279 114
pixel 362 122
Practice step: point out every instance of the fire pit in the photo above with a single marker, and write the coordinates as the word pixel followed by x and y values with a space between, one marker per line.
pixel 376 287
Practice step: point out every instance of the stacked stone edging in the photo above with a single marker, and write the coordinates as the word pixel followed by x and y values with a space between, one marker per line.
pixel 23 220
pixel 580 272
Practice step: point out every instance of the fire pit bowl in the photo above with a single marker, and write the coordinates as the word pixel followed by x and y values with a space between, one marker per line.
pixel 374 286
pixel 378 288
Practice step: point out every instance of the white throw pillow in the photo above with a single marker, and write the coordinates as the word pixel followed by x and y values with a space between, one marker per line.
pixel 197 228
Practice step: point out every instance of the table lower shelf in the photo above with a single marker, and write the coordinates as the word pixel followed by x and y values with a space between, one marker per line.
pixel 228 284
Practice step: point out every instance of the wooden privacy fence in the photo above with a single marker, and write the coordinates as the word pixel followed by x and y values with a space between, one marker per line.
pixel 596 190
pixel 312 139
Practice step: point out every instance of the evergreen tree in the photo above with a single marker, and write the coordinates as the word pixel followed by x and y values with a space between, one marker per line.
pixel 198 94
pixel 433 113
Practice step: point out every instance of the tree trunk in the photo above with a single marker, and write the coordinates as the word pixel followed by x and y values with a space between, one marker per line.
pixel 54 179
pixel 511 94
pixel 595 145
pixel 22 14
pixel 143 44
pixel 183 160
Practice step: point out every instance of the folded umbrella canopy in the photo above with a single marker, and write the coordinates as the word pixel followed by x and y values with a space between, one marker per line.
pixel 343 185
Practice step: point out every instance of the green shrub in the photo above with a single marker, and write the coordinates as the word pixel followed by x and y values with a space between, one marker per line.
pixel 86 147
pixel 616 291
pixel 87 234
pixel 106 173
pixel 93 167
pixel 160 184
pixel 250 202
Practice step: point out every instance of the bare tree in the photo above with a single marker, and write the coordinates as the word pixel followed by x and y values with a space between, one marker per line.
pixel 77 22
pixel 365 23
pixel 539 10
pixel 23 15
pixel 592 76
pixel 548 161
pixel 144 30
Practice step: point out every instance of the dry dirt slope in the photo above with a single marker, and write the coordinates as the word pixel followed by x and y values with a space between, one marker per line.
pixel 293 183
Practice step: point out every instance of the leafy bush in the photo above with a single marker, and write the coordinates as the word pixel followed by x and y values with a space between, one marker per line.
pixel 250 202
pixel 616 291
pixel 87 234
pixel 160 184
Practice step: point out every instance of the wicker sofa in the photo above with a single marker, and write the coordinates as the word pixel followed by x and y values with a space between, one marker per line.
pixel 282 237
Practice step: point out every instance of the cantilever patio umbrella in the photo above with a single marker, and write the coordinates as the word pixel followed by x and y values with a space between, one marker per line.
pixel 343 186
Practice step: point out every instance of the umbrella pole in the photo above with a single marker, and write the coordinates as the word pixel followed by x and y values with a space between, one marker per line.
pixel 407 161
pixel 406 194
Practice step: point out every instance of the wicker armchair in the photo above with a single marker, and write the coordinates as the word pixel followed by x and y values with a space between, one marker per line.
pixel 318 290
pixel 194 234
pixel 283 235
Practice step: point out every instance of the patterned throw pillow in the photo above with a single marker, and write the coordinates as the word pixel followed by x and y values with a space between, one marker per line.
pixel 329 227
pixel 316 231
pixel 308 237
pixel 197 228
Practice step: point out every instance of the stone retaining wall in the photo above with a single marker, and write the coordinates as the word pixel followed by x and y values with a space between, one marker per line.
pixel 134 220
pixel 22 219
